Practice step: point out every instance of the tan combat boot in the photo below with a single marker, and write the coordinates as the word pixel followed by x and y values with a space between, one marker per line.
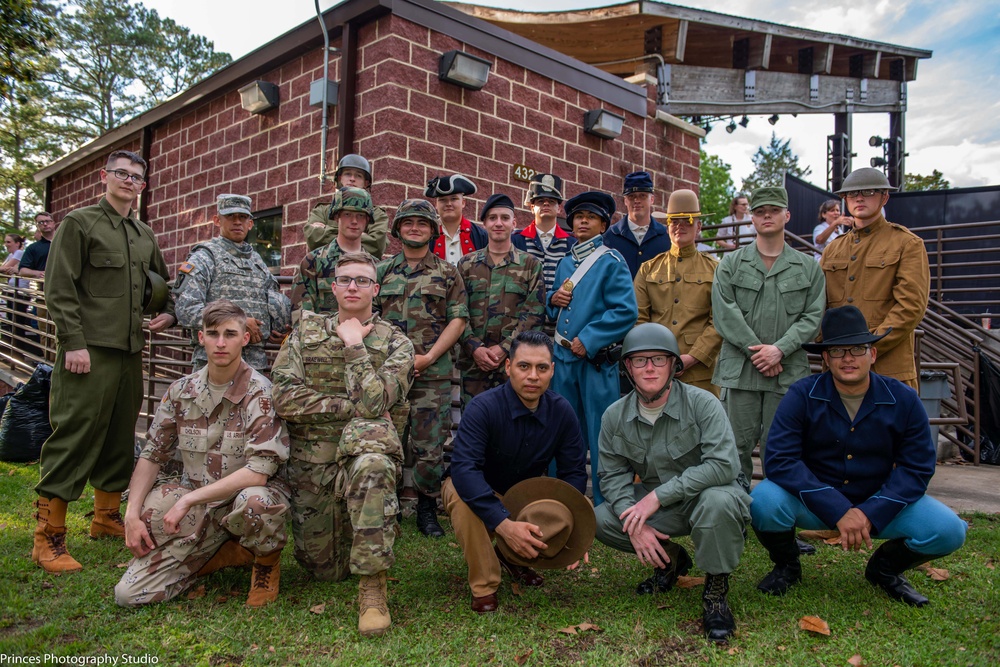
pixel 107 521
pixel 49 549
pixel 264 583
pixel 373 605
pixel 231 554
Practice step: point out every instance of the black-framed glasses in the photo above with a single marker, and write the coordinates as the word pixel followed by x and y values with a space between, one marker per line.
pixel 659 360
pixel 854 350
pixel 123 175
pixel 851 194
pixel 361 281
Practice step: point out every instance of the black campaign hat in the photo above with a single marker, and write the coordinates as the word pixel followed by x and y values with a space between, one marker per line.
pixel 844 327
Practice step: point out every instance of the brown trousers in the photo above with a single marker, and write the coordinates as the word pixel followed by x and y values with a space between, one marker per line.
pixel 475 540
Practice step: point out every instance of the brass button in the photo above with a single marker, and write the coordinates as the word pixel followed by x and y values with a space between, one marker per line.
pixel 852 429
pixel 850 456
pixel 846 482
pixel 850 299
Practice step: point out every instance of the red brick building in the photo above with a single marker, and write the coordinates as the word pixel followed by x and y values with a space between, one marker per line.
pixel 393 108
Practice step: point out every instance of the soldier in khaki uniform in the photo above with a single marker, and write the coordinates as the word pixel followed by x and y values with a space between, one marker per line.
pixel 353 171
pixel 675 290
pixel 313 286
pixel 880 268
pixel 340 381
pixel 230 507
pixel 424 296
pixel 767 299
pixel 227 267
pixel 506 296
pixel 102 270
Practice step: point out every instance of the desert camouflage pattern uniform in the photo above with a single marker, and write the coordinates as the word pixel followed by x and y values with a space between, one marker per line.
pixel 222 269
pixel 321 230
pixel 504 299
pixel 421 301
pixel 312 288
pixel 214 439
pixel 345 456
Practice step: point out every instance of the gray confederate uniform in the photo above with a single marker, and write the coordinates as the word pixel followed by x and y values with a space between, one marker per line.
pixel 222 269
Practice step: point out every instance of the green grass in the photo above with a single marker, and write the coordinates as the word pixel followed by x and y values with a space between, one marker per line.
pixel 75 615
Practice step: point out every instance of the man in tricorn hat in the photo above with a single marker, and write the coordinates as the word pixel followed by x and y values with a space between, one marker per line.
pixel 507 435
pixel 880 268
pixel 678 441
pixel 675 289
pixel 638 237
pixel 852 450
pixel 459 235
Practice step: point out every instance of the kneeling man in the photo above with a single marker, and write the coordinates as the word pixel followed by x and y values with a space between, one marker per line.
pixel 852 450
pixel 678 441
pixel 230 507
pixel 509 434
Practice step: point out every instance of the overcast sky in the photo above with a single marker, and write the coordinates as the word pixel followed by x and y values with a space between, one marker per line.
pixel 952 108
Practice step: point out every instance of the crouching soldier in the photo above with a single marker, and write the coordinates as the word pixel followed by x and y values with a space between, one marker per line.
pixel 230 508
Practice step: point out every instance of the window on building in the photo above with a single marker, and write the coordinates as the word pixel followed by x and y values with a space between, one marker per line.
pixel 265 237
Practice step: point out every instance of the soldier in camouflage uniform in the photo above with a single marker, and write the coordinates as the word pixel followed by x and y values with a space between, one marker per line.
pixel 313 286
pixel 340 381
pixel 353 171
pixel 424 296
pixel 506 296
pixel 230 507
pixel 227 267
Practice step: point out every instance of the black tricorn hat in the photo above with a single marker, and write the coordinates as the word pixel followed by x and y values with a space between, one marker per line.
pixel 844 327
pixel 454 184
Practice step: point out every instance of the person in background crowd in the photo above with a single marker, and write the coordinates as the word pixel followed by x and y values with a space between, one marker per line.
pixel 831 225
pixel 744 232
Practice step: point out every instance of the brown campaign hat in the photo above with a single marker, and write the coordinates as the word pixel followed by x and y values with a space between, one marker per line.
pixel 564 514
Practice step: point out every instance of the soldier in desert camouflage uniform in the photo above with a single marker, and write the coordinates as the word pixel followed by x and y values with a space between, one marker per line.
pixel 313 286
pixel 424 296
pixel 230 507
pixel 506 296
pixel 340 381
pixel 353 171
pixel 227 267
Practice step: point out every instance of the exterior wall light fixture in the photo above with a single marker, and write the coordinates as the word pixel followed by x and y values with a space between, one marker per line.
pixel 603 123
pixel 259 96
pixel 462 69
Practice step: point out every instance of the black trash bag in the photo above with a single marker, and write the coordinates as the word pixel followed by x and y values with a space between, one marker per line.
pixel 989 409
pixel 24 426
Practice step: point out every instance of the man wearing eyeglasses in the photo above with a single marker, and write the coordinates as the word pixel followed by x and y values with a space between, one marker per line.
pixel 676 439
pixel 340 382
pixel 105 271
pixel 852 450
pixel 880 268
pixel 227 267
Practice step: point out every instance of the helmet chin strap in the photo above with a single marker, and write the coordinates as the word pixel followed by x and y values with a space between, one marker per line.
pixel 655 397
pixel 413 244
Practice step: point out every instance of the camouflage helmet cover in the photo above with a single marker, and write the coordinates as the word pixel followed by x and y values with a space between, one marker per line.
pixel 352 199
pixel 416 208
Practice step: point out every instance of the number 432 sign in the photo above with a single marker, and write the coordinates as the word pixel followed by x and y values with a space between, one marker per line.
pixel 523 173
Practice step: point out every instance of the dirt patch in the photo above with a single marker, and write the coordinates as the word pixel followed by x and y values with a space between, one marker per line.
pixel 674 651
pixel 571 650
pixel 225 660
pixel 26 625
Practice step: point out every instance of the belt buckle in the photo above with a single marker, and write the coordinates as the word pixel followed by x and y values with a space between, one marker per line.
pixel 565 343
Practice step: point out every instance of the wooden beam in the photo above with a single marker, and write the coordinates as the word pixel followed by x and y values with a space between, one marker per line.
pixel 822 59
pixel 681 43
pixel 870 65
pixel 760 52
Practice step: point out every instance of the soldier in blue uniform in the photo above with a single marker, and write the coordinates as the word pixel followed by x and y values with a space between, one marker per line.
pixel 637 236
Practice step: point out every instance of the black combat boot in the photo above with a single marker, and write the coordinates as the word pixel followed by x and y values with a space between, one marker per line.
pixel 717 619
pixel 885 570
pixel 784 553
pixel 427 516
pixel 663 579
pixel 805 548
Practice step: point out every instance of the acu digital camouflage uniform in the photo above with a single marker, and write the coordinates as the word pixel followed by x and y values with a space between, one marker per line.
pixel 215 438
pixel 345 456
pixel 321 229
pixel 421 301
pixel 222 269
pixel 504 300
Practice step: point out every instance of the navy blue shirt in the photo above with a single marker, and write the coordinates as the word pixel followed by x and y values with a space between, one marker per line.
pixel 36 255
pixel 501 442
pixel 620 237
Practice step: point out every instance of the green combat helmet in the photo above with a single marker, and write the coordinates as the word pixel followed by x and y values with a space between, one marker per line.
pixel 154 296
pixel 652 337
pixel 352 199
pixel 865 178
pixel 416 208
pixel 354 161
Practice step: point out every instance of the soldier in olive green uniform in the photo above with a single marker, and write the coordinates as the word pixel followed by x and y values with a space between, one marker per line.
pixel 102 262
pixel 675 289
pixel 227 267
pixel 340 381
pixel 767 299
pixel 312 289
pixel 506 296
pixel 424 296
pixel 353 171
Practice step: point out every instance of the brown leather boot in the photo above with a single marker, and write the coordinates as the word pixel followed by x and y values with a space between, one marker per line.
pixel 230 554
pixel 373 605
pixel 107 521
pixel 264 583
pixel 49 549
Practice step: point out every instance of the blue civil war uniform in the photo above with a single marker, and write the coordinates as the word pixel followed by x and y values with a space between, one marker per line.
pixel 620 237
pixel 602 311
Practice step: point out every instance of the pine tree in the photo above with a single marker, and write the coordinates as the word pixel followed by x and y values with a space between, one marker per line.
pixel 771 164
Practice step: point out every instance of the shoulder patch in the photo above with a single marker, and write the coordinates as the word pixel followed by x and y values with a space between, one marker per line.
pixel 186 267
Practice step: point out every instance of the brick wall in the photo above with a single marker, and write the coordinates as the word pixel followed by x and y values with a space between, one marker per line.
pixel 411 125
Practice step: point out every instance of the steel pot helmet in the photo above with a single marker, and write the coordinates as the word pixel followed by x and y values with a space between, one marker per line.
pixel 865 178
pixel 352 199
pixel 416 208
pixel 652 337
pixel 354 161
